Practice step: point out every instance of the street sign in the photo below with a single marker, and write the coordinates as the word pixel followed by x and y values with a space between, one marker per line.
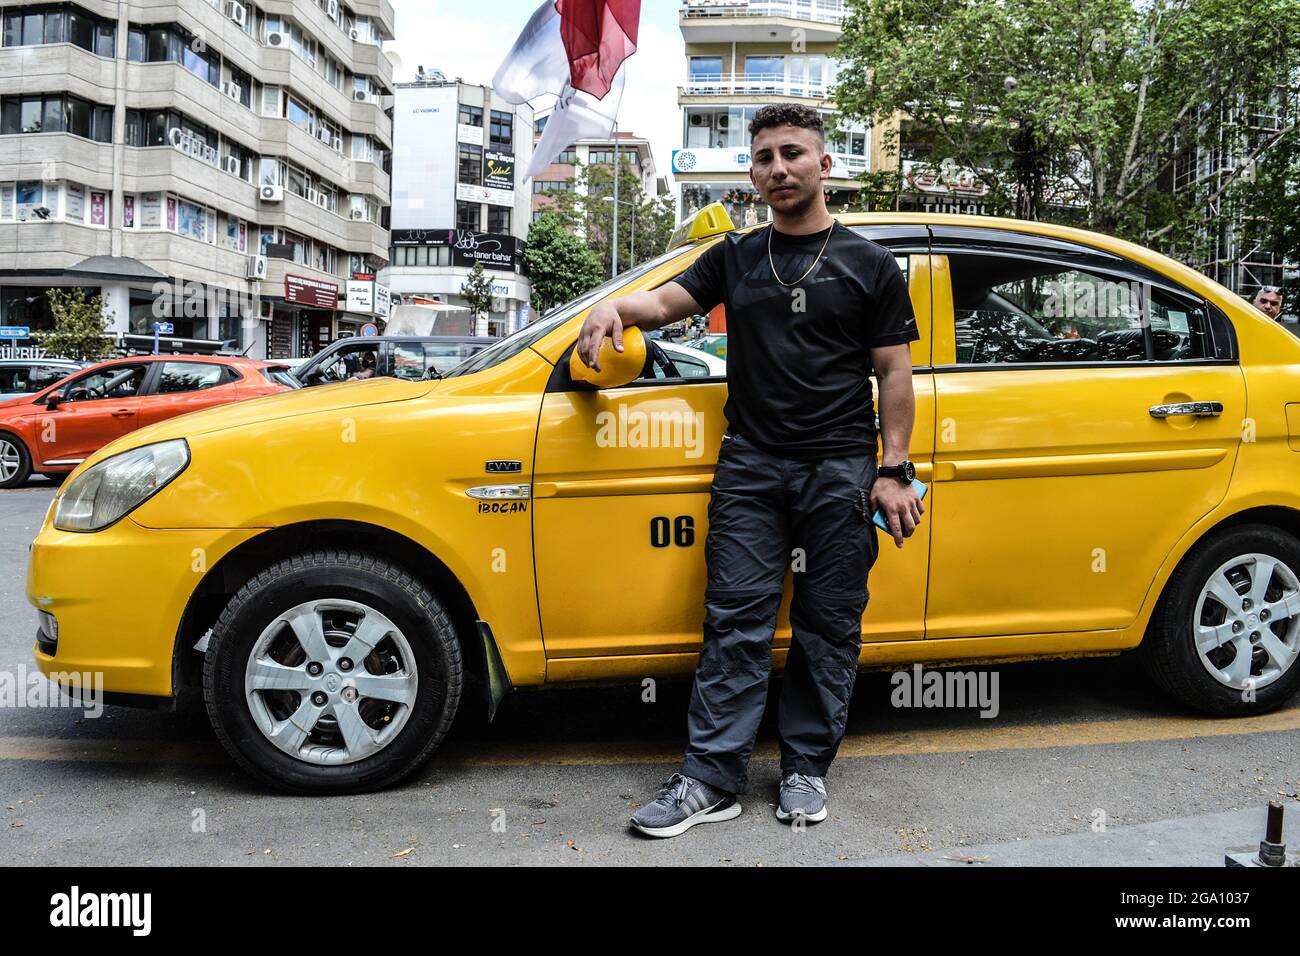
pixel 161 328
pixel 369 329
pixel 14 331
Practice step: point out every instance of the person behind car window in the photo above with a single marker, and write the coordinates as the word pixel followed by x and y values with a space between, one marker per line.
pixel 367 367
pixel 1269 301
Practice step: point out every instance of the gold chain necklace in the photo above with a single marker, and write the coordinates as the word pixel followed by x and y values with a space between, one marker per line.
pixel 770 262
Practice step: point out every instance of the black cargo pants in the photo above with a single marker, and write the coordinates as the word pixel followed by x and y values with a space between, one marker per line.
pixel 768 514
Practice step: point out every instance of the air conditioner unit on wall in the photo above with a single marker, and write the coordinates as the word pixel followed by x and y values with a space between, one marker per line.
pixel 231 89
pixel 269 193
pixel 257 267
pixel 354 33
pixel 697 119
pixel 337 142
pixel 361 96
pixel 236 12
pixel 231 165
pixel 358 214
pixel 332 8
pixel 277 39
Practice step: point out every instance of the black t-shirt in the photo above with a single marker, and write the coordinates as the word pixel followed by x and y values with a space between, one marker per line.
pixel 798 356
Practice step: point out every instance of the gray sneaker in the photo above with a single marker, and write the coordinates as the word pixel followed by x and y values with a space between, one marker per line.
pixel 802 796
pixel 683 802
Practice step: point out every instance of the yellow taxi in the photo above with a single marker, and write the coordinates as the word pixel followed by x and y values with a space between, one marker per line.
pixel 1112 444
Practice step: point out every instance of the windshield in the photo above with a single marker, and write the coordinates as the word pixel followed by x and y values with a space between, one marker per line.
pixel 525 337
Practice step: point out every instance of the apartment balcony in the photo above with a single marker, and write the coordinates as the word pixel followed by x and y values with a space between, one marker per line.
pixel 749 86
pixel 370 60
pixel 326 32
pixel 760 21
pixel 30 155
pixel 301 215
pixel 381 10
pixel 51 246
pixel 181 257
pixel 369 179
pixel 57 67
pixel 163 168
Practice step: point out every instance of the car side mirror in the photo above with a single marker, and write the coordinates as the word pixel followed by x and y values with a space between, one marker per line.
pixel 52 400
pixel 616 368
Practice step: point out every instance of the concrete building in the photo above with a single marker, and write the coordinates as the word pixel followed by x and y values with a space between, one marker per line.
pixel 742 55
pixel 459 153
pixel 220 166
pixel 632 149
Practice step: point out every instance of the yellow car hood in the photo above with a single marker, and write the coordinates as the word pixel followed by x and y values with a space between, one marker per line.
pixel 269 408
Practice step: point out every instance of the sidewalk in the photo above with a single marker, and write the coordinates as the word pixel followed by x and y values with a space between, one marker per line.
pixel 1184 841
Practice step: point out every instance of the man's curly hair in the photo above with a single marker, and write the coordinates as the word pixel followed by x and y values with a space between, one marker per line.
pixel 788 114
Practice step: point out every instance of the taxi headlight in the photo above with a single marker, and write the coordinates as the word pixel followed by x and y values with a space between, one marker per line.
pixel 117 486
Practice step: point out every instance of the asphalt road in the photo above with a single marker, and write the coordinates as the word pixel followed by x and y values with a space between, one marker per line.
pixel 553 780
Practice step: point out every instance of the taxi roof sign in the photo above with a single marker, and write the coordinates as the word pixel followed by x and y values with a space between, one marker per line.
pixel 712 220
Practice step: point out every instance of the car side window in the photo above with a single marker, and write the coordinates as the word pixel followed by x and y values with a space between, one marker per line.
pixel 189 377
pixel 43 375
pixel 116 381
pixel 658 366
pixel 408 360
pixel 347 362
pixel 14 378
pixel 1012 310
pixel 689 367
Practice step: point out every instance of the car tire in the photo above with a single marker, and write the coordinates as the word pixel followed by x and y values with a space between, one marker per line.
pixel 1212 678
pixel 15 461
pixel 320 594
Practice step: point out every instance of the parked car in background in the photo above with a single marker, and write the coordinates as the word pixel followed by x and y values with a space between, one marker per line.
pixel 693 363
pixel 714 343
pixel 409 357
pixel 20 377
pixel 63 424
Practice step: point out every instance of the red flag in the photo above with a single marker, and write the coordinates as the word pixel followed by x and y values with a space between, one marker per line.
pixel 598 36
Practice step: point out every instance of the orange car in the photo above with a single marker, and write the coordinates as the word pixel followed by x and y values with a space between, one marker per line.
pixel 54 430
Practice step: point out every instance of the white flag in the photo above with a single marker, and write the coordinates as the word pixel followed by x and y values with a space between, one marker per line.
pixel 577 115
pixel 537 64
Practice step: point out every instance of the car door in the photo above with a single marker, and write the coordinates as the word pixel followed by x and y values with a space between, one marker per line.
pixel 180 387
pixel 94 408
pixel 620 512
pixel 1065 465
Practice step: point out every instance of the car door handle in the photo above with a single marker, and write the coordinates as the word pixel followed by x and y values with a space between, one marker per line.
pixel 123 413
pixel 1199 409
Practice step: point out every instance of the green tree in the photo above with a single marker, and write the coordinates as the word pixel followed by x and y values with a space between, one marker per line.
pixel 559 264
pixel 1076 110
pixel 477 290
pixel 79 326
pixel 645 222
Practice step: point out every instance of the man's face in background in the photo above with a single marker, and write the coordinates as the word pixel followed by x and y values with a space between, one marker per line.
pixel 1269 302
pixel 787 167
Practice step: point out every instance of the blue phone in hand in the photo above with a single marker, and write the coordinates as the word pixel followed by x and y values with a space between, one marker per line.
pixel 879 519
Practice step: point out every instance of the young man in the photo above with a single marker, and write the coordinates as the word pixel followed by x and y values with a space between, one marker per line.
pixel 811 308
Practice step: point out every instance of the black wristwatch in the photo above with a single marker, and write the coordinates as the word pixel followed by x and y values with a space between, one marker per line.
pixel 904 471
